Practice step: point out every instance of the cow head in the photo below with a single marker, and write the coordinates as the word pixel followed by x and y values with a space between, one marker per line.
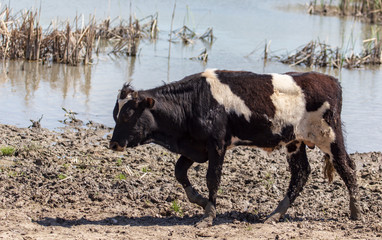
pixel 133 119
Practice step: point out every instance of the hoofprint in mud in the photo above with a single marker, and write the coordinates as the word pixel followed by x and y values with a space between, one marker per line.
pixel 67 185
pixel 203 115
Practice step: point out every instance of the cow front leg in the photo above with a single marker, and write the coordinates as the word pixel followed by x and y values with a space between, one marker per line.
pixel 181 169
pixel 214 171
pixel 300 170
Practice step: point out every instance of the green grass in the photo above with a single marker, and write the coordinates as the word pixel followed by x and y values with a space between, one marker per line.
pixel 146 170
pixel 119 162
pixel 175 206
pixel 61 176
pixel 66 166
pixel 12 174
pixel 7 150
pixel 269 181
pixel 121 176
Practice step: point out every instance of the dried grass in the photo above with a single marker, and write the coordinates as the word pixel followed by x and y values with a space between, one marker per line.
pixel 188 36
pixel 203 56
pixel 317 54
pixel 22 37
pixel 369 10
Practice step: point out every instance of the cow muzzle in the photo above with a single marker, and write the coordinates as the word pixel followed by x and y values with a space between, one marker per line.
pixel 116 147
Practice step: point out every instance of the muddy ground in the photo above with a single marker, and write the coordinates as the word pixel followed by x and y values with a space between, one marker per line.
pixel 68 185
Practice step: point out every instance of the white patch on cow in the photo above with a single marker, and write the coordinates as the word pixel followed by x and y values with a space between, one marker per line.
pixel 122 102
pixel 289 101
pixel 315 129
pixel 290 104
pixel 224 96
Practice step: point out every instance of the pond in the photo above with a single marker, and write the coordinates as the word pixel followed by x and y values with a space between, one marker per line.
pixel 29 90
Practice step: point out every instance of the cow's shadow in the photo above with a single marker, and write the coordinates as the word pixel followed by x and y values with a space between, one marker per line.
pixel 225 218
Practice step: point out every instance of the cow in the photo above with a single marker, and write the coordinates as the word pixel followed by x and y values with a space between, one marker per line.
pixel 203 115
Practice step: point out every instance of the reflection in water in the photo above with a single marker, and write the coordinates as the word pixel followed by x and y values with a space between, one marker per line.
pixel 131 68
pixel 120 62
pixel 26 77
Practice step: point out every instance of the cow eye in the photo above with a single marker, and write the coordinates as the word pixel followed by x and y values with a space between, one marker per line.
pixel 127 115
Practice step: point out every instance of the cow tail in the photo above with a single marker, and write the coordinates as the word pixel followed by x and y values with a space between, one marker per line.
pixel 328 168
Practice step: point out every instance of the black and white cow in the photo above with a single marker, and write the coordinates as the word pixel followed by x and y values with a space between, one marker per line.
pixel 203 115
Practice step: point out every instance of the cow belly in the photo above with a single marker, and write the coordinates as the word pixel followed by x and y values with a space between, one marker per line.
pixel 265 142
pixel 235 141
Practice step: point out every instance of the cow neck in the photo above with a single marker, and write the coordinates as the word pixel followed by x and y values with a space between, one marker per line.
pixel 169 116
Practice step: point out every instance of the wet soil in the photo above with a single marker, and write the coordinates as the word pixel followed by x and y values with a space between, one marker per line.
pixel 67 185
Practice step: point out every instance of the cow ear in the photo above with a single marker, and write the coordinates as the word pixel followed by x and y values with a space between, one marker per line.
pixel 150 102
pixel 122 94
pixel 135 95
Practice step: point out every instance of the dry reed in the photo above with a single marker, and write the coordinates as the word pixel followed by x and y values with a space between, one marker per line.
pixel 22 37
pixel 317 54
pixel 187 36
pixel 369 10
pixel 203 56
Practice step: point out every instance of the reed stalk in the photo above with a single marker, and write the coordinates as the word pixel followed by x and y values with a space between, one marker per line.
pixel 22 37
pixel 317 54
pixel 369 10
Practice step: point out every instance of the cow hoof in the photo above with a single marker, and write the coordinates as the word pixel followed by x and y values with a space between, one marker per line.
pixel 273 218
pixel 356 215
pixel 355 212
pixel 209 216
pixel 279 212
pixel 210 210
pixel 205 222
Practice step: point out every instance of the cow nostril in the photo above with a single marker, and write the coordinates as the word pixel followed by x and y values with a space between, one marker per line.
pixel 113 145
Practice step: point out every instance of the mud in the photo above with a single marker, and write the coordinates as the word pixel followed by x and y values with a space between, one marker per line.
pixel 67 185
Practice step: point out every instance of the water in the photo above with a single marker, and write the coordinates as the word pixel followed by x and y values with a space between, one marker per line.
pixel 30 90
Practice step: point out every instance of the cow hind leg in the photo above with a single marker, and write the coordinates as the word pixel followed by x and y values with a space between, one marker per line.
pixel 345 167
pixel 300 170
pixel 181 168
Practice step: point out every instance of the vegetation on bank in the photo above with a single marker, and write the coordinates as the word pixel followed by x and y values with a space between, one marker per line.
pixel 22 37
pixel 318 54
pixel 368 10
pixel 7 150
